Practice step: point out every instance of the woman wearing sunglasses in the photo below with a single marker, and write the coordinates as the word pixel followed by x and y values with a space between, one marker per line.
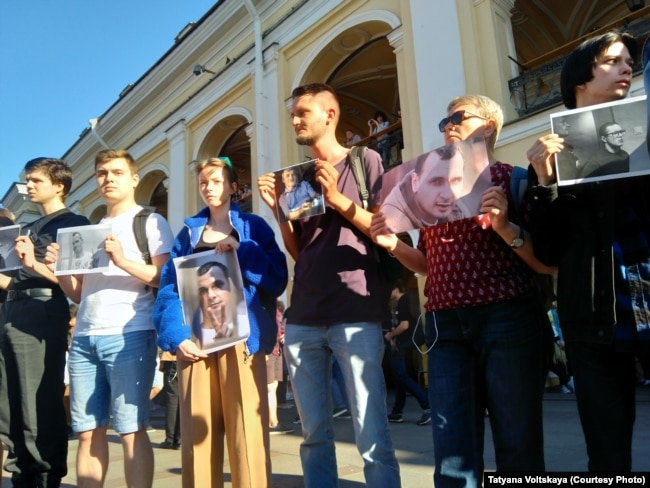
pixel 486 327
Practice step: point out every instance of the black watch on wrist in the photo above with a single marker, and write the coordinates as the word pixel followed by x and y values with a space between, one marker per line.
pixel 518 241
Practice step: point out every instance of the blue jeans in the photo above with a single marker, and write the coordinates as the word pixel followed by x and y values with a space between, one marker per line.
pixel 605 392
pixel 404 382
pixel 338 386
pixel 358 348
pixel 487 357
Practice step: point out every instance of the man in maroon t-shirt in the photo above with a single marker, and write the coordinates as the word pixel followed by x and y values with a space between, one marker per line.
pixel 336 304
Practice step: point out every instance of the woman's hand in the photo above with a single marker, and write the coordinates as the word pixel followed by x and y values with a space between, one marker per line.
pixel 495 203
pixel 189 352
pixel 227 244
pixel 380 232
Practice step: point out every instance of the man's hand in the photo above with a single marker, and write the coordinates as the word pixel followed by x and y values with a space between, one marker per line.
pixel 541 157
pixel 25 251
pixel 328 177
pixel 113 248
pixel 51 256
pixel 266 185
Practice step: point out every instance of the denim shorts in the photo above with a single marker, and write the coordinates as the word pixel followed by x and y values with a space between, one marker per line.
pixel 112 375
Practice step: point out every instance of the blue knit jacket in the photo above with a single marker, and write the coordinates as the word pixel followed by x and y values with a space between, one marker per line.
pixel 264 274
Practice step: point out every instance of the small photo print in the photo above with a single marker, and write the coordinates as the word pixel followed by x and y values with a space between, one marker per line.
pixel 297 193
pixel 81 249
pixel 212 297
pixel 440 186
pixel 602 142
pixel 8 257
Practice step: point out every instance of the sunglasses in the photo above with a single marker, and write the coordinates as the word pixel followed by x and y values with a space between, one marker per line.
pixel 457 118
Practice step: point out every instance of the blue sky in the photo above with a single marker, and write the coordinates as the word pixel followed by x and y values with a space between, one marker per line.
pixel 65 62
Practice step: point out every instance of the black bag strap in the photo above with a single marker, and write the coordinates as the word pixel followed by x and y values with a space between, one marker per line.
pixel 359 171
pixel 140 232
pixel 39 224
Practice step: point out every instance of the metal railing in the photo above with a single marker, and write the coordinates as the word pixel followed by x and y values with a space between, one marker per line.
pixel 537 89
pixel 390 147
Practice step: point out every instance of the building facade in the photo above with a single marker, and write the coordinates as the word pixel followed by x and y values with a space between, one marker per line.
pixel 224 86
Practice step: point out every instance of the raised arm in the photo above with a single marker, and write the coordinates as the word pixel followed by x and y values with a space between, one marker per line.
pixel 266 186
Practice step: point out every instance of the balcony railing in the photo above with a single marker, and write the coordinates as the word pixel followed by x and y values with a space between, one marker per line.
pixel 391 145
pixel 537 89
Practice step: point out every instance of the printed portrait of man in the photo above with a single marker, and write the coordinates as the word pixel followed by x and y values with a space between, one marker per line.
pixel 609 157
pixel 428 195
pixel 299 199
pixel 217 303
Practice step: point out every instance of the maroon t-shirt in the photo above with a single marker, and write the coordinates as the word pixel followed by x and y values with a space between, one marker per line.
pixel 336 278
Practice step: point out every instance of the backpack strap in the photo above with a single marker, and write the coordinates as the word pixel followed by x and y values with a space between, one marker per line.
pixel 518 185
pixel 359 172
pixel 140 232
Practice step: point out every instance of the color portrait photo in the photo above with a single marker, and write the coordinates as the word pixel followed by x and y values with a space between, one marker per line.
pixel 440 186
pixel 212 296
pixel 602 142
pixel 297 192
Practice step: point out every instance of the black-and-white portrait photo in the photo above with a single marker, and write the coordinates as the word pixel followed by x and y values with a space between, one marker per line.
pixel 442 185
pixel 297 192
pixel 212 298
pixel 602 142
pixel 8 258
pixel 81 249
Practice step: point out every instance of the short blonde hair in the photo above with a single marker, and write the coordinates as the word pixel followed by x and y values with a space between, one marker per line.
pixel 486 107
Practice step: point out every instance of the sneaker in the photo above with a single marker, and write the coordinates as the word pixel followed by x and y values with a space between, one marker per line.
pixel 395 418
pixel 280 429
pixel 285 406
pixel 345 415
pixel 169 445
pixel 570 384
pixel 566 390
pixel 297 420
pixel 425 419
pixel 341 413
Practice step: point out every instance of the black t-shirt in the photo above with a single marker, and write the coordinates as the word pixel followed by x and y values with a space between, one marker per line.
pixel 401 313
pixel 43 232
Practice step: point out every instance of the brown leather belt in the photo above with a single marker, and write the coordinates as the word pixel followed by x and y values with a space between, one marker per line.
pixel 13 295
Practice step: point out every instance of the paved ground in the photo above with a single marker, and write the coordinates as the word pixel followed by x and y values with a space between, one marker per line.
pixel 564 448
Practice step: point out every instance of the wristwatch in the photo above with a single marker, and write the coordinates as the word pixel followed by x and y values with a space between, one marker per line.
pixel 518 241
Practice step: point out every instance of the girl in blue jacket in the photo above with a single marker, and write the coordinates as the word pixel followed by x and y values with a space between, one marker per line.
pixel 224 393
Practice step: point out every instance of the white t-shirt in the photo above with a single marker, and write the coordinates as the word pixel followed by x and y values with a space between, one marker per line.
pixel 114 302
